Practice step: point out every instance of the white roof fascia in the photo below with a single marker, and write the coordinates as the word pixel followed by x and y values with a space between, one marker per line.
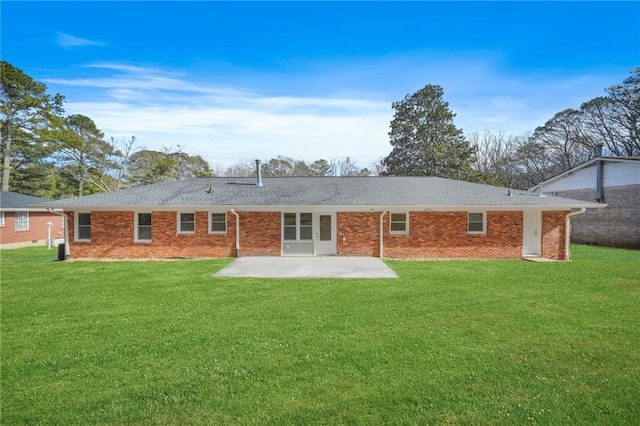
pixel 336 208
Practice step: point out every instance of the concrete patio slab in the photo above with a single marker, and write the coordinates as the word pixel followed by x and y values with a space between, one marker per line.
pixel 307 267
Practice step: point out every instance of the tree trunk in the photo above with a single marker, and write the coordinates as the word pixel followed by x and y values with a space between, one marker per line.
pixel 6 170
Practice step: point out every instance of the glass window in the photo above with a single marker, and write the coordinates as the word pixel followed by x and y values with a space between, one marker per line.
pixel 84 226
pixel 476 222
pixel 22 221
pixel 187 222
pixel 290 225
pixel 2 223
pixel 398 223
pixel 144 227
pixel 306 226
pixel 218 223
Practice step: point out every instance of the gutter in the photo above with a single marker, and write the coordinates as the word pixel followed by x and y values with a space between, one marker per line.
pixel 237 232
pixel 67 251
pixel 567 232
pixel 382 234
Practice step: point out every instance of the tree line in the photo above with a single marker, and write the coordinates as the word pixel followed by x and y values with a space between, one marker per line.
pixel 426 141
pixel 49 154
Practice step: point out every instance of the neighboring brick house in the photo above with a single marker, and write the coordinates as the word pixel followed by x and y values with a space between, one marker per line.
pixel 611 180
pixel 396 217
pixel 21 224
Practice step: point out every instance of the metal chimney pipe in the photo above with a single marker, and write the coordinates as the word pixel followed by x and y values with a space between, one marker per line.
pixel 599 150
pixel 258 174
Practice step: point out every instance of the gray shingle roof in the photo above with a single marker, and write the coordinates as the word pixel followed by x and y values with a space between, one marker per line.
pixel 317 191
pixel 15 201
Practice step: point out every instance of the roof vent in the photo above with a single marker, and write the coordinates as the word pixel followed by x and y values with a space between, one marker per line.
pixel 210 190
pixel 258 174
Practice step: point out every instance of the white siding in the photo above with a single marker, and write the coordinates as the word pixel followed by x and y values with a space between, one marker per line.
pixel 615 174
pixel 618 174
pixel 580 179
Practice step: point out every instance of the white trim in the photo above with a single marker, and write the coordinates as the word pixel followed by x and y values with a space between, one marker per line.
pixel 484 222
pixel 179 222
pixel 3 222
pixel 76 227
pixel 136 239
pixel 210 224
pixel 297 226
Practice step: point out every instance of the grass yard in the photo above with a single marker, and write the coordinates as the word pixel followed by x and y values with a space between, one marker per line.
pixel 471 342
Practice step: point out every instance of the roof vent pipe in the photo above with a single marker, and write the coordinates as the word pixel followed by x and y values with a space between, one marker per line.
pixel 258 174
pixel 599 174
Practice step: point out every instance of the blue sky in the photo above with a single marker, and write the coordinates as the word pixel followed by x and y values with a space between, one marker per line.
pixel 244 80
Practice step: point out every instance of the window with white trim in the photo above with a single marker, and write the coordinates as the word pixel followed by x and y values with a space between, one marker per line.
pixel 186 223
pixel 399 223
pixel 21 221
pixel 83 226
pixel 2 222
pixel 62 222
pixel 476 224
pixel 143 227
pixel 297 226
pixel 218 223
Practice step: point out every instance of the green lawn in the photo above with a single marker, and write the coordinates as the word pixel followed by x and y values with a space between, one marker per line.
pixel 472 342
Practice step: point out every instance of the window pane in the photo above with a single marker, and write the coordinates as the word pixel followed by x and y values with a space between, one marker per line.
pixel 305 233
pixel 218 227
pixel 187 227
pixel 144 219
pixel 399 226
pixel 144 233
pixel 306 219
pixel 325 228
pixel 475 217
pixel 218 217
pixel 289 219
pixel 289 233
pixel 187 217
pixel 475 227
pixel 398 217
pixel 84 218
pixel 84 232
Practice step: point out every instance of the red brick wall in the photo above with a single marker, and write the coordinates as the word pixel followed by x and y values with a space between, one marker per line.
pixel 553 234
pixel 112 236
pixel 358 234
pixel 37 228
pixel 431 235
pixel 260 233
pixel 444 235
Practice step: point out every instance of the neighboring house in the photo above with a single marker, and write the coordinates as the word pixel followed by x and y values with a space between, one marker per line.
pixel 611 180
pixel 395 217
pixel 21 224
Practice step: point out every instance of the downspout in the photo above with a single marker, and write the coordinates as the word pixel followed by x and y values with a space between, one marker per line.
pixel 599 174
pixel 382 234
pixel 567 232
pixel 237 232
pixel 67 251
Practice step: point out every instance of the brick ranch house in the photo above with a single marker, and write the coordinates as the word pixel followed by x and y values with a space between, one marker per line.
pixel 393 217
pixel 22 225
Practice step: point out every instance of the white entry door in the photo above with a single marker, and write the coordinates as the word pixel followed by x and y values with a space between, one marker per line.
pixel 325 234
pixel 532 223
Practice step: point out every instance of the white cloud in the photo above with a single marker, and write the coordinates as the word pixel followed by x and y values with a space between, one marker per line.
pixel 322 110
pixel 68 41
